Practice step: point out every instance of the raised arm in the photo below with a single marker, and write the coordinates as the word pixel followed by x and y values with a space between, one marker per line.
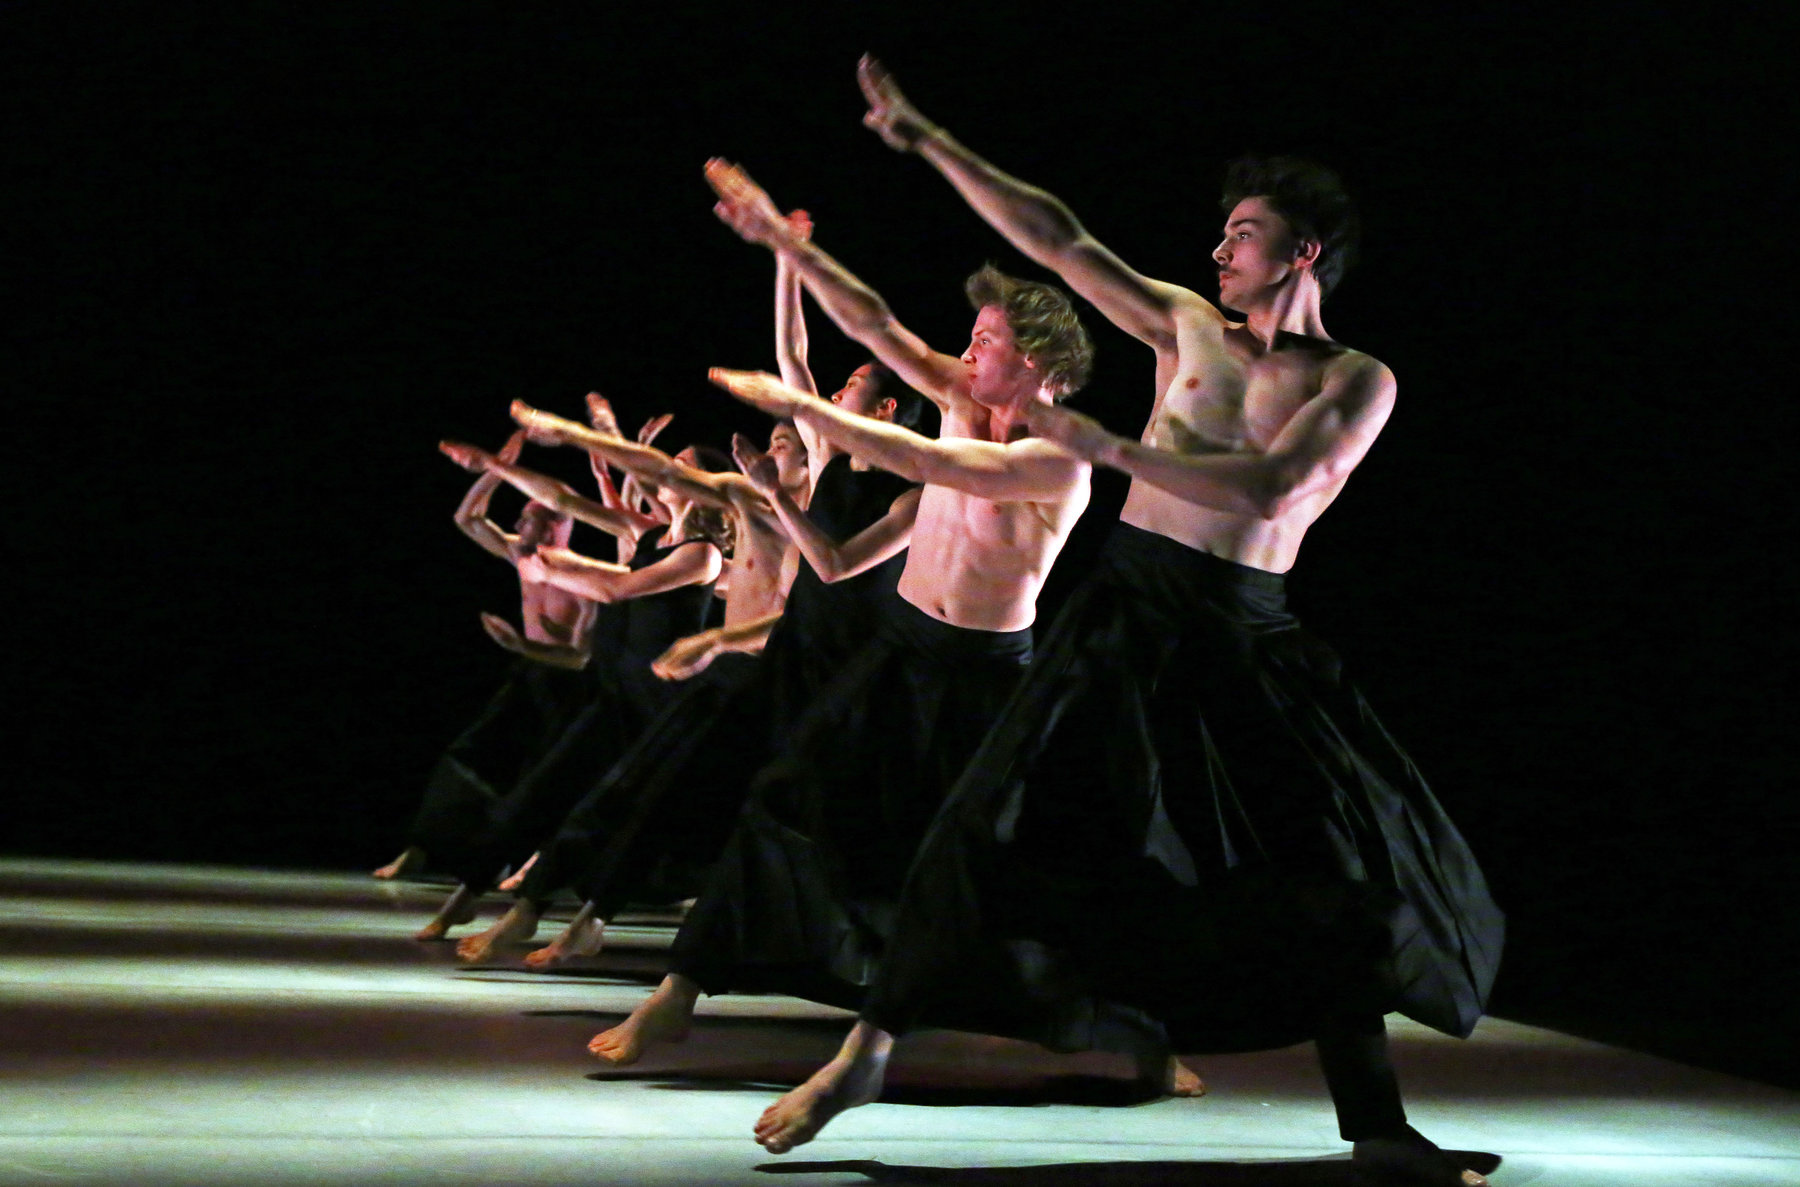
pixel 1030 470
pixel 543 489
pixel 644 461
pixel 1314 452
pixel 1034 221
pixel 472 513
pixel 694 654
pixel 694 563
pixel 857 309
pixel 831 559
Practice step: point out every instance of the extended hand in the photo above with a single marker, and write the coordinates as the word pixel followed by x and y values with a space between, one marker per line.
pixel 685 657
pixel 502 632
pixel 509 453
pixel 600 415
pixel 759 389
pixel 1082 436
pixel 756 465
pixel 470 458
pixel 544 428
pixel 800 223
pixel 891 115
pixel 745 208
pixel 651 428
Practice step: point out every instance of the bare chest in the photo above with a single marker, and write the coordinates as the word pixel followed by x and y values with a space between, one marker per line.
pixel 1227 401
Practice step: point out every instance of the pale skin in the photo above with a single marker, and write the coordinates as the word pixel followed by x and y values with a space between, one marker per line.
pixel 556 623
pixel 762 569
pixel 996 507
pixel 1256 425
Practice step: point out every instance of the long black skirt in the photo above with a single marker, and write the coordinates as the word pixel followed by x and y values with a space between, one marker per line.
pixel 1187 811
pixel 518 725
pixel 802 898
pixel 652 826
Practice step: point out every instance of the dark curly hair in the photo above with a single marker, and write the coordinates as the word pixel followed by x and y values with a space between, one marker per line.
pixel 1312 200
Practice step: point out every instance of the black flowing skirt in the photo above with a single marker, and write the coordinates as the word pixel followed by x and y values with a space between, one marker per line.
pixel 802 898
pixel 1187 811
pixel 521 721
pixel 652 826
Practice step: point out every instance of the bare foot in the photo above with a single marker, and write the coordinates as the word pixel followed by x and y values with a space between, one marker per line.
pixel 1183 1080
pixel 583 937
pixel 852 1078
pixel 662 1017
pixel 517 879
pixel 1409 1161
pixel 519 923
pixel 458 908
pixel 410 859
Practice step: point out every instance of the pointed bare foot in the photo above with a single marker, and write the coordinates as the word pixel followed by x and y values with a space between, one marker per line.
pixel 584 936
pixel 517 879
pixel 1183 1080
pixel 458 908
pixel 662 1017
pixel 410 859
pixel 852 1078
pixel 519 923
pixel 1410 1160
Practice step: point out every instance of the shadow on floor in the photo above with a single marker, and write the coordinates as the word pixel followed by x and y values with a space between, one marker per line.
pixel 1312 1172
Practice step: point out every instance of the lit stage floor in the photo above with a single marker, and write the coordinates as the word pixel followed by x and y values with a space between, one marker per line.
pixel 184 1025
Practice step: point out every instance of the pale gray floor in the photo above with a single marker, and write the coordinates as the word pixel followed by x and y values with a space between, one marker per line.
pixel 183 1025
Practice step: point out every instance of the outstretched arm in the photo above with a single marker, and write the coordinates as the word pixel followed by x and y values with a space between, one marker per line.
pixel 857 309
pixel 472 514
pixel 694 563
pixel 1314 452
pixel 543 489
pixel 645 461
pixel 1030 470
pixel 830 559
pixel 693 654
pixel 1034 221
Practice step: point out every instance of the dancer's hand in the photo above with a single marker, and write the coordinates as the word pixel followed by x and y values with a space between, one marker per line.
pixel 686 657
pixel 502 632
pixel 649 430
pixel 891 115
pixel 746 208
pixel 600 415
pixel 469 457
pixel 543 428
pixel 1082 436
pixel 761 390
pixel 756 465
pixel 801 224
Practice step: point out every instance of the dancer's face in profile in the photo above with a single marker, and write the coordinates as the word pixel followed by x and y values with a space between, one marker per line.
pixel 789 453
pixel 860 392
pixel 1259 251
pixel 997 367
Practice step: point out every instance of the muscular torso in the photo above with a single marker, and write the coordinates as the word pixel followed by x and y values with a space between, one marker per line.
pixel 978 563
pixel 760 570
pixel 1219 392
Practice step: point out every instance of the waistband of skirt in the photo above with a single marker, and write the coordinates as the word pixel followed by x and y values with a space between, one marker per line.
pixel 1133 545
pixel 906 623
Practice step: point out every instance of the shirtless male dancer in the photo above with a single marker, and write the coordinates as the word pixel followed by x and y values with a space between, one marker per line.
pixel 996 508
pixel 1327 882
pixel 760 570
pixel 533 705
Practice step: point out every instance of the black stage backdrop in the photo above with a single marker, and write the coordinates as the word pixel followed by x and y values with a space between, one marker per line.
pixel 265 256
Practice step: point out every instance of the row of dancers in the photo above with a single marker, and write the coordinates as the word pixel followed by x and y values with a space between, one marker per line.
pixel 1168 824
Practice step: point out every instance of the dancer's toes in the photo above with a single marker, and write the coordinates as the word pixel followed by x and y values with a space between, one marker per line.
pixel 1410 1160
pixel 1183 1080
pixel 458 908
pixel 663 1017
pixel 799 1115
